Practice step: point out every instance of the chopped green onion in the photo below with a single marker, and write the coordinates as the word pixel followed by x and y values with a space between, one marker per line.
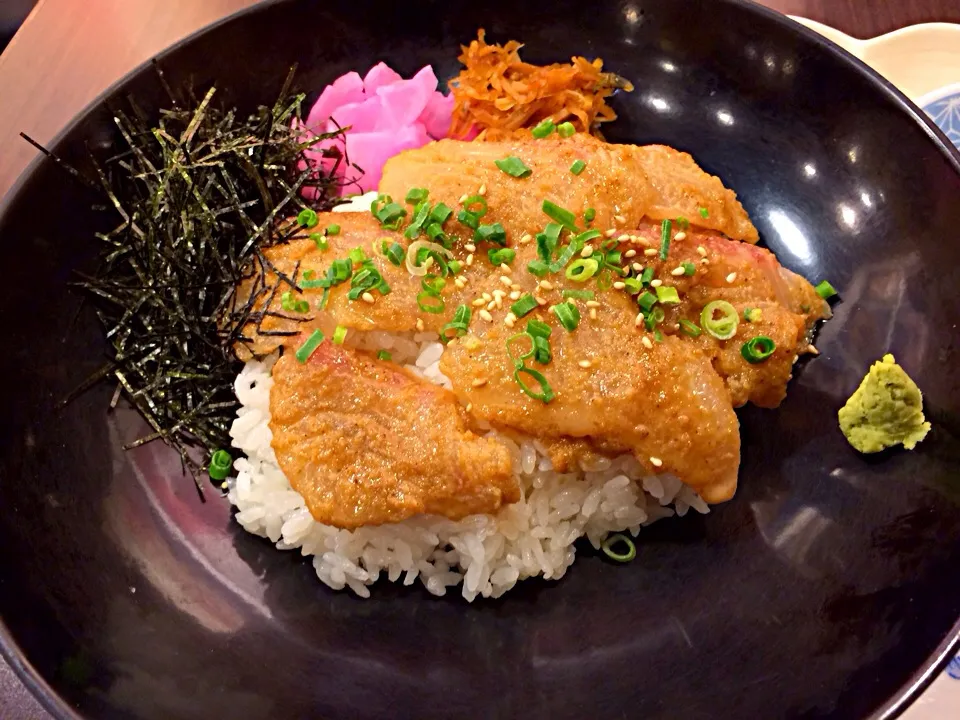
pixel 568 314
pixel 464 217
pixel 683 223
pixel 722 326
pixel 655 317
pixel 433 284
pixel 543 128
pixel 499 256
pixel 307 218
pixel 513 166
pixel 379 202
pixel 658 336
pixel 440 213
pixel 430 302
pixel 541 350
pixel 619 538
pixel 538 328
pixel 664 239
pixel 589 215
pixel 668 295
pixel 455 266
pixel 475 200
pixel 517 360
pixel 320 241
pixel 420 214
pixel 570 249
pixel 220 464
pixel 458 327
pixel 390 213
pixel 309 346
pixel 704 213
pixel 341 269
pixel 490 233
pixel 688 268
pixel 578 294
pixel 524 305
pixel 559 214
pixel 395 254
pixel 416 195
pixel 301 306
pixel 545 394
pixel 538 268
pixel 566 129
pixel 578 167
pixel 332 230
pixel 582 270
pixel 647 275
pixel 690 328
pixel 435 232
pixel 825 290
pixel 357 255
pixel 647 301
pixel 339 335
pixel 752 314
pixel 758 349
pixel 632 285
pixel 384 355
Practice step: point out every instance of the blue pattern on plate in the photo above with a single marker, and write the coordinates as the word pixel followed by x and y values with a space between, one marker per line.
pixel 953 668
pixel 946 114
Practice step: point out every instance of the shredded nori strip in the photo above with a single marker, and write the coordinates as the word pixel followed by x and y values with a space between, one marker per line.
pixel 201 194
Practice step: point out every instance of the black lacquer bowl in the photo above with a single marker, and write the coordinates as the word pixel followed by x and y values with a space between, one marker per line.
pixel 827 588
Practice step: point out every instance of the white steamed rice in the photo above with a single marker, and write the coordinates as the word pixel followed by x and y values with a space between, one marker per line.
pixel 487 554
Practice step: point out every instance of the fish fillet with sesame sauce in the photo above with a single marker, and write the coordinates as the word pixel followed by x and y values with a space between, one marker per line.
pixel 367 443
pixel 622 183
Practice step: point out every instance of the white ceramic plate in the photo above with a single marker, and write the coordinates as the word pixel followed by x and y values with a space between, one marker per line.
pixel 923 61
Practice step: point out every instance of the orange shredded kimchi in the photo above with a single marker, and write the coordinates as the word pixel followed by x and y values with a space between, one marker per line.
pixel 496 94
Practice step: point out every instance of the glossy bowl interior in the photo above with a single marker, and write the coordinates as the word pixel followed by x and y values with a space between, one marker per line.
pixel 826 588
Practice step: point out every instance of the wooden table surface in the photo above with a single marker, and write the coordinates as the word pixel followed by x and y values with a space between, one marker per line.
pixel 69 51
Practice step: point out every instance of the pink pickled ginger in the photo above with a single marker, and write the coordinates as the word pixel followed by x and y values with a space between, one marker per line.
pixel 385 114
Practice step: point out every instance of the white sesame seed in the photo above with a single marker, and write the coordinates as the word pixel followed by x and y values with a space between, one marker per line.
pixel 619 218
pixel 647 343
pixel 611 232
pixel 592 303
pixel 459 282
pixel 639 320
pixel 469 259
pixel 587 251
pixel 469 405
pixel 487 297
pixel 704 261
pixel 677 271
pixel 584 363
pixel 367 298
pixel 506 268
pixel 811 349
pixel 482 191
pixel 731 277
pixel 593 313
pixel 492 304
pixel 650 252
pixel 540 300
pixel 498 302
pixel 630 253
pixel 479 382
pixel 463 199
pixel 509 319
pixel 572 301
pixel 486 315
pixel 680 236
pixel 656 283
pixel 479 302
pixel 619 285
pixel 515 286
pixel 676 326
pixel 420 324
pixel 526 238
pixel 498 293
pixel 506 280
pixel 702 250
pixel 656 462
pixel 637 266
pixel 546 284
pixel 515 295
pixel 470 247
pixel 623 238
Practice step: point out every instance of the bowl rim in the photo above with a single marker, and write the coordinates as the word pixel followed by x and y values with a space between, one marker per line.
pixel 902 697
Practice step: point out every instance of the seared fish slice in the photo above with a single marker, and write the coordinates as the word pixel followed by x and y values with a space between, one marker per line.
pixel 622 183
pixel 367 443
